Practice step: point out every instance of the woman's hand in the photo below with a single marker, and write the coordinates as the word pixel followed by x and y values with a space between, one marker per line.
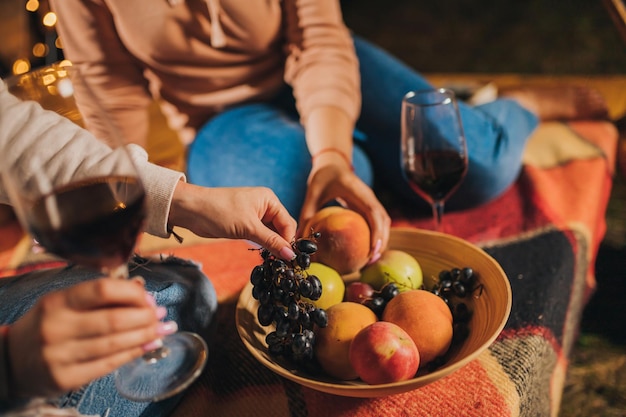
pixel 75 335
pixel 252 213
pixel 336 181
pixel 331 177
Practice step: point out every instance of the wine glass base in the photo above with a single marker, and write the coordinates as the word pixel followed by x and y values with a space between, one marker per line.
pixel 165 372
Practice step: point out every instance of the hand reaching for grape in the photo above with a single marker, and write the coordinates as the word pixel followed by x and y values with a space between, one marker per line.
pixel 81 333
pixel 252 213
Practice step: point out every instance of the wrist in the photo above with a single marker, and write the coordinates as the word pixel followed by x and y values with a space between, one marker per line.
pixel 331 155
pixel 177 208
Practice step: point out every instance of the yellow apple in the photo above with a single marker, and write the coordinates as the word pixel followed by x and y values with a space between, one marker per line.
pixel 333 287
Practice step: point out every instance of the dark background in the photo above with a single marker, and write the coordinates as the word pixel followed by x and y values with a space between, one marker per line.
pixel 486 36
pixel 532 36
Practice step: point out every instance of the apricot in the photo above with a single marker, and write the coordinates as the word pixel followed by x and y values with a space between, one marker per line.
pixel 344 241
pixel 426 318
pixel 332 343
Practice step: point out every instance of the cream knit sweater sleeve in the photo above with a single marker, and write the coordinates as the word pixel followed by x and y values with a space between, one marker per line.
pixel 66 150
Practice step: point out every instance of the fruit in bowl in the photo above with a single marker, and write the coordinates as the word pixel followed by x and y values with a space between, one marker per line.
pixel 383 352
pixel 426 318
pixel 332 343
pixel 487 301
pixel 344 239
pixel 395 266
pixel 359 292
pixel 333 287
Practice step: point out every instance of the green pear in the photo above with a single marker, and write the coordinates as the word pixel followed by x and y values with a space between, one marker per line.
pixel 394 266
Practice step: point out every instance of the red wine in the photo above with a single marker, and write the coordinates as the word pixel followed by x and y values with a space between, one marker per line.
pixel 436 174
pixel 93 223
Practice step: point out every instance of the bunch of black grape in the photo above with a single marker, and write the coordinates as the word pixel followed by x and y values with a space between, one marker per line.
pixel 379 299
pixel 454 287
pixel 283 290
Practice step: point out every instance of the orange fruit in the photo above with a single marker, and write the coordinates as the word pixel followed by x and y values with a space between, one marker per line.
pixel 426 318
pixel 332 343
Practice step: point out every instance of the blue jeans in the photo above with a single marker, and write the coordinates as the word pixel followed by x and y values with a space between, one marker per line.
pixel 263 143
pixel 178 285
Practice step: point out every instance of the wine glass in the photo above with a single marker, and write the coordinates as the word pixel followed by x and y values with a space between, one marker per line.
pixel 93 219
pixel 47 86
pixel 434 152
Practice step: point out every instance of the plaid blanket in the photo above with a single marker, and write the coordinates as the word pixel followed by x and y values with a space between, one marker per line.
pixel 544 231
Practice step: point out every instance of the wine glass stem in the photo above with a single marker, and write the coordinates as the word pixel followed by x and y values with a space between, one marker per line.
pixel 438 215
pixel 121 272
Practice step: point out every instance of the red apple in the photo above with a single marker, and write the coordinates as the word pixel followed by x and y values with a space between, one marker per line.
pixel 382 353
pixel 359 292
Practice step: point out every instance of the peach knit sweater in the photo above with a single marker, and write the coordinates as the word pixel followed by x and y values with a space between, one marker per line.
pixel 198 57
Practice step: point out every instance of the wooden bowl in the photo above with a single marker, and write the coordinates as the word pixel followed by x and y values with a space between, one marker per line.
pixel 435 252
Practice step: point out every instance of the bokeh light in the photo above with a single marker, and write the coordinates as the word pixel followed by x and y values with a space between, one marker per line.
pixel 21 66
pixel 50 19
pixel 40 50
pixel 32 5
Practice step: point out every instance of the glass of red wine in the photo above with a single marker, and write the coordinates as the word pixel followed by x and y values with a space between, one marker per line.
pixel 94 219
pixel 434 151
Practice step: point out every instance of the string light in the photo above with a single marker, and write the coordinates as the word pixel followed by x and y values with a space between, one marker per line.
pixel 40 50
pixel 47 49
pixel 32 5
pixel 49 19
pixel 21 66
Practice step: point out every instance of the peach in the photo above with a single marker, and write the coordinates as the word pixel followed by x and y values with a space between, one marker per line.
pixel 332 343
pixel 383 353
pixel 344 242
pixel 426 318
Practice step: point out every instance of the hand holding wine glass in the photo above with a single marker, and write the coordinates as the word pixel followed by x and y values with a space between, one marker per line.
pixel 434 152
pixel 92 327
pixel 92 217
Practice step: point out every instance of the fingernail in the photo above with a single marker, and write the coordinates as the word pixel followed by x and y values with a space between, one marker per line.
pixel 155 344
pixel 161 312
pixel 166 328
pixel 376 254
pixel 287 253
pixel 150 299
pixel 139 280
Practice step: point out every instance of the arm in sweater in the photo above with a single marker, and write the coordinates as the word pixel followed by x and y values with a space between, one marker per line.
pixel 66 150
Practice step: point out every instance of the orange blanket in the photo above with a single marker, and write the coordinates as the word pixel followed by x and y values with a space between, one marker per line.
pixel 545 232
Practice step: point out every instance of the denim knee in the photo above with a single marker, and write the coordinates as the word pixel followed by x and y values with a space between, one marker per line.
pixel 180 286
